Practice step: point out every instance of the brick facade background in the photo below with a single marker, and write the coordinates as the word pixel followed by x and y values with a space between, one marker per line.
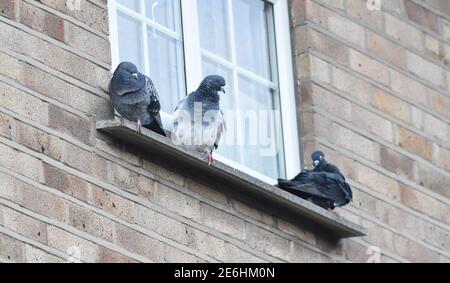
pixel 373 93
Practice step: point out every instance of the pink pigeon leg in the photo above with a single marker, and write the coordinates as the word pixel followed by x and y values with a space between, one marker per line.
pixel 210 158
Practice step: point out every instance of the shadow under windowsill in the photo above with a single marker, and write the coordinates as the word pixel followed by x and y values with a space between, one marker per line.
pixel 195 164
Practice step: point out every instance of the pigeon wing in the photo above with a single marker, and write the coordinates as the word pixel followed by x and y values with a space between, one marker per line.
pixel 182 125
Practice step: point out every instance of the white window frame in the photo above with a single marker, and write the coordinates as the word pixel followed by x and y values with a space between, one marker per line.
pixel 193 63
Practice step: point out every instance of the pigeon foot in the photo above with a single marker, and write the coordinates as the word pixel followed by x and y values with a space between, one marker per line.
pixel 334 212
pixel 211 160
pixel 139 126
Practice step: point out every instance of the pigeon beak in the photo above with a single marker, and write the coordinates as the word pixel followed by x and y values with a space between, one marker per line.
pixel 223 90
pixel 135 75
pixel 316 162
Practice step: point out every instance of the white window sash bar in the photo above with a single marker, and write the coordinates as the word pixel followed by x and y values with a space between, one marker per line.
pixel 239 69
pixel 149 22
pixel 287 91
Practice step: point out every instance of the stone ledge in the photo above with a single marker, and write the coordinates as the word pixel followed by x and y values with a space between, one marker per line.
pixel 193 163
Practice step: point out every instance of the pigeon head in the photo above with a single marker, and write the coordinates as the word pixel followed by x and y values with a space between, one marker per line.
pixel 213 84
pixel 127 79
pixel 318 158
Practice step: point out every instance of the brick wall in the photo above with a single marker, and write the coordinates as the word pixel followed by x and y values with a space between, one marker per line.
pixel 373 90
pixel 374 93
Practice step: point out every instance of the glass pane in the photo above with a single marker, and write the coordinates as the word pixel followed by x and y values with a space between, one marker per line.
pixel 164 12
pixel 166 68
pixel 253 22
pixel 254 131
pixel 130 40
pixel 131 4
pixel 214 35
pixel 261 128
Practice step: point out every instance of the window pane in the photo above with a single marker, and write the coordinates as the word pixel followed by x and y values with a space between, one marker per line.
pixel 254 133
pixel 130 40
pixel 166 68
pixel 251 22
pixel 164 12
pixel 262 135
pixel 214 35
pixel 131 4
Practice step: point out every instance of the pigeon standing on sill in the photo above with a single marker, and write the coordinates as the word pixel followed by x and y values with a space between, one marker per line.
pixel 325 186
pixel 198 121
pixel 134 97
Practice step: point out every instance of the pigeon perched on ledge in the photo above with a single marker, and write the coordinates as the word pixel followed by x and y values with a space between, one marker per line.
pixel 198 121
pixel 134 97
pixel 325 186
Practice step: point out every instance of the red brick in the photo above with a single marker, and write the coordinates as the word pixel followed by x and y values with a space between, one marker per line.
pixel 298 11
pixel 442 158
pixel 77 158
pixel 24 225
pixel 391 52
pixel 174 255
pixel 224 222
pixel 15 160
pixel 358 9
pixel 70 124
pixel 330 47
pixel 85 220
pixel 356 252
pixel 369 67
pixel 100 167
pixel 42 202
pixel 123 178
pixel 38 140
pixel 8 8
pixel 66 183
pixel 91 14
pixel 392 105
pixel 422 16
pixel 146 187
pixel 42 21
pixel 109 256
pixel 396 162
pixel 137 243
pixel 267 242
pixel 432 179
pixel 114 204
pixel 11 249
pixel 414 143
pixel 424 203
pixel 6 126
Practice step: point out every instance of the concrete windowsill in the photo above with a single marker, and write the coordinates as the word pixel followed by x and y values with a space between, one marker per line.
pixel 194 163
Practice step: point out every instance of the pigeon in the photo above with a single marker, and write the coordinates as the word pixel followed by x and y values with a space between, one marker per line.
pixel 321 165
pixel 198 121
pixel 134 97
pixel 324 186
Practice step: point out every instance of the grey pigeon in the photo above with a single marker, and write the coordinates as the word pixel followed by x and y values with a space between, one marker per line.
pixel 325 186
pixel 134 97
pixel 198 122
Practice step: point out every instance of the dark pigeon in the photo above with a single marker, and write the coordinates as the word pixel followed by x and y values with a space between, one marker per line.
pixel 203 136
pixel 134 97
pixel 321 165
pixel 325 186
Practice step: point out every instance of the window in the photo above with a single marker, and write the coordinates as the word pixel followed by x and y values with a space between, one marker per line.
pixel 178 42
